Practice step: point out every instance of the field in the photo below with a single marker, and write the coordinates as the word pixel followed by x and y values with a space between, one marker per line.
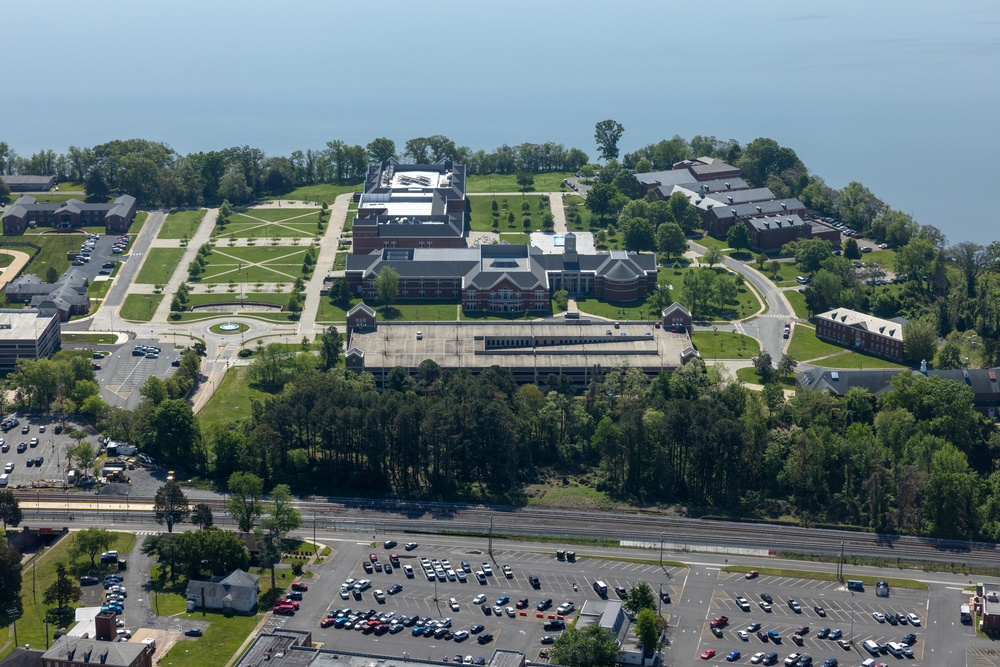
pixel 221 640
pixel 425 311
pixel 90 338
pixel 31 626
pixel 481 213
pixel 266 264
pixel 749 375
pixel 859 360
pixel 319 193
pixel 181 224
pixel 231 400
pixel 576 202
pixel 549 182
pixel 5 260
pixel 805 345
pixel 137 224
pixel 798 302
pixel 265 223
pixel 787 272
pixel 724 345
pixel 223 295
pixel 634 310
pixel 159 266
pixel 140 307
pixel 53 251
pixel 328 312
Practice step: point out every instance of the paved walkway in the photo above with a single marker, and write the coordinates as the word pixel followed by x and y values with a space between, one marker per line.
pixel 10 272
pixel 180 273
pixel 324 263
pixel 558 212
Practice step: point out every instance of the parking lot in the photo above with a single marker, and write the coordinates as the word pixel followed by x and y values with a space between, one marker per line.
pixel 50 446
pixel 849 612
pixel 122 374
pixel 522 632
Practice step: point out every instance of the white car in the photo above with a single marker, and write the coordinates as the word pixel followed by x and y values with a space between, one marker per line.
pixel 481 576
pixel 743 635
pixel 453 603
pixel 487 570
pixel 757 658
pixel 461 576
pixel 510 612
pixel 461 635
pixel 914 619
pixel 350 582
pixel 363 585
pixel 379 595
pixel 345 593
pixel 430 575
pixel 408 571
pixel 878 616
pixel 479 599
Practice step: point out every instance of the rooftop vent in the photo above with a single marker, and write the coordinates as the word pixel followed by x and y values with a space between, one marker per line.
pixel 730 198
pixel 728 186
pixel 760 210
pixel 784 206
pixel 835 376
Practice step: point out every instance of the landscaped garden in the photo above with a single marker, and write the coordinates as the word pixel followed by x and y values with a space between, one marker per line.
pixel 724 345
pixel 511 213
pixel 266 223
pixel 265 263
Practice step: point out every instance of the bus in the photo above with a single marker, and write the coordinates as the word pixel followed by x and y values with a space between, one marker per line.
pixel 855 585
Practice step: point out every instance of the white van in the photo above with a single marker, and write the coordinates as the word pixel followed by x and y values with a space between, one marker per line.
pixel 871 646
pixel 601 588
pixel 895 648
pixel 4 479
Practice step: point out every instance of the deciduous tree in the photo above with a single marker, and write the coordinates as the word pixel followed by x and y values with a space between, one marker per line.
pixel 170 505
pixel 593 646
pixel 244 502
pixel 10 509
pixel 64 590
pixel 607 133
pixel 387 286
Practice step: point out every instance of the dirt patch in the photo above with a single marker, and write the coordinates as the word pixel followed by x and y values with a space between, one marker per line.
pixel 165 640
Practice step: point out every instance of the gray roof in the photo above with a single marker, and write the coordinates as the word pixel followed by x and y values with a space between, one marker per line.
pixel 770 223
pixel 756 209
pixel 982 381
pixel 23 657
pixel 79 650
pixel 738 196
pixel 41 182
pixel 238 585
pixel 675 307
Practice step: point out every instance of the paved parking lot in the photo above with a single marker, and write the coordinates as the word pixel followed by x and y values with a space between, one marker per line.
pixel 522 633
pixel 839 604
pixel 122 375
pixel 51 447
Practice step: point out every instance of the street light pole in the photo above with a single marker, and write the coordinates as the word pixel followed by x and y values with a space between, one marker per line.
pixel 661 547
pixel 491 537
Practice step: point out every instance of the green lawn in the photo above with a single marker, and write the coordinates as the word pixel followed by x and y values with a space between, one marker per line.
pixel 516 239
pixel 195 317
pixel 328 312
pixel 181 224
pixel 712 242
pixel 320 192
pixel 481 213
pixel 724 345
pixel 887 258
pixel 746 303
pixel 340 261
pixel 231 401
pixel 424 311
pixel 548 182
pixel 5 260
pixel 787 272
pixel 749 375
pixel 859 360
pixel 31 626
pixel 268 264
pixel 505 317
pixel 95 339
pixel 99 289
pixel 137 224
pixel 612 309
pixel 576 202
pixel 806 346
pixel 53 251
pixel 140 307
pixel 222 295
pixel 826 576
pixel 159 266
pixel 221 640
pixel 555 494
pixel 797 300
pixel 266 223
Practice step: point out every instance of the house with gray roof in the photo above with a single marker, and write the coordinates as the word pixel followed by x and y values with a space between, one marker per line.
pixel 411 206
pixel 691 173
pixel 70 651
pixel 29 183
pixel 65 298
pixel 26 211
pixel 862 332
pixel 236 592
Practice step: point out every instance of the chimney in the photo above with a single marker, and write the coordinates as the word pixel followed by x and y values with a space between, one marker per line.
pixel 760 210
pixel 728 186
pixel 730 198
pixel 784 206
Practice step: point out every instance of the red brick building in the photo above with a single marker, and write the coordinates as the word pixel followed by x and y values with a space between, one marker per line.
pixel 863 332
pixel 114 216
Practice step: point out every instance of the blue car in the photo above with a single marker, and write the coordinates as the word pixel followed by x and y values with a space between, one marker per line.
pixel 733 656
pixel 417 631
pixel 502 600
pixel 340 622
pixel 774 635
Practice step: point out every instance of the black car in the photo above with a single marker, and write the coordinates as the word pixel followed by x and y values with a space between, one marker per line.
pixel 771 658
pixel 486 609
pixel 823 633
pixel 766 597
pixel 544 604
pixel 395 588
pixel 665 596
pixel 193 632
pixel 891 618
pixel 620 591
pixel 389 544
pixel 39 460
pixel 555 624
pixel 88 580
pixel 476 629
pixel 485 638
pixel 761 635
pixel 533 580
pixel 909 639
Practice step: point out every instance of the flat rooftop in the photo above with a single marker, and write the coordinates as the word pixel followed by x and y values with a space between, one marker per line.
pixel 22 324
pixel 547 345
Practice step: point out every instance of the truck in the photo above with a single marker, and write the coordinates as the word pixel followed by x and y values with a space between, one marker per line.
pixel 965 614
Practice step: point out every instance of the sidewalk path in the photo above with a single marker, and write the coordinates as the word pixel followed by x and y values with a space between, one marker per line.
pixel 324 263
pixel 21 259
pixel 199 238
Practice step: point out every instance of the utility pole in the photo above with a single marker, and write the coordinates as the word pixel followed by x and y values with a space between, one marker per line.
pixel 490 550
pixel 840 566
pixel 315 545
pixel 661 548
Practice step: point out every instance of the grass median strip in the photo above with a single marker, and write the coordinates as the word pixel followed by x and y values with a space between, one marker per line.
pixel 827 576
pixel 140 307
pixel 159 266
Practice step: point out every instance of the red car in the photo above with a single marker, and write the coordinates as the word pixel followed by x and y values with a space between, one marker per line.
pixel 753 574
pixel 286 601
pixel 373 557
pixel 284 609
pixel 300 586
pixel 327 622
pixel 819 610
pixel 708 654
pixel 719 621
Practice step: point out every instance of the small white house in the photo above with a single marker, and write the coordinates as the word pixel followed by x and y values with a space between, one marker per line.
pixel 236 592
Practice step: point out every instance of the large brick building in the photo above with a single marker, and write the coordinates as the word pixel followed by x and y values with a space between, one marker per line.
pixel 29 183
pixel 505 278
pixel 411 206
pixel 862 332
pixel 114 216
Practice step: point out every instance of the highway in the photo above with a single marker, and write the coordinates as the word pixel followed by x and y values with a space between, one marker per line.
pixel 676 533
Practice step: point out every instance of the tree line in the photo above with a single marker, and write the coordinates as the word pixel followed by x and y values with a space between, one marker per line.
pixel 157 175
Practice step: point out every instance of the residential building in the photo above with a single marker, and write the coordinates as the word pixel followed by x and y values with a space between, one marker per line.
pixel 236 592
pixel 610 616
pixel 676 318
pixel 27 334
pixel 715 174
pixel 411 206
pixel 532 350
pixel 505 278
pixel 66 297
pixel 718 219
pixel 70 651
pixel 26 211
pixel 983 383
pixel 29 183
pixel 862 332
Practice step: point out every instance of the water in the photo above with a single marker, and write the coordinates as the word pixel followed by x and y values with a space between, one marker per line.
pixel 900 95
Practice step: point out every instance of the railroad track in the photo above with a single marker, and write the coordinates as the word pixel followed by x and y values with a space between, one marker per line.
pixel 417 517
